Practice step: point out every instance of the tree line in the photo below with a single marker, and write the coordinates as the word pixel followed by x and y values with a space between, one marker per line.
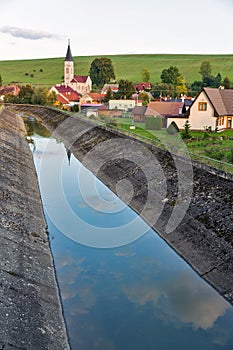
pixel 172 82
pixel 30 95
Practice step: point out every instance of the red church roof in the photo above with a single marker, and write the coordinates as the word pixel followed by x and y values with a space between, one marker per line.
pixel 79 79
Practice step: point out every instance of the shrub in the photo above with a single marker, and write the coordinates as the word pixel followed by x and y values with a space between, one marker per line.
pixel 185 134
pixel 230 156
pixel 153 123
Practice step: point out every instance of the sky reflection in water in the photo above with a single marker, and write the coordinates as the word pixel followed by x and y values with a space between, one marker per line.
pixel 138 296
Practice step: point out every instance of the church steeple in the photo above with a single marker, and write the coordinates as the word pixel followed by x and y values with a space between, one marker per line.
pixel 68 53
pixel 68 66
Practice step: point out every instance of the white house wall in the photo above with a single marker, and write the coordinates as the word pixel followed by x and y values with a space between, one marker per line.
pixel 201 119
pixel 121 104
pixel 179 122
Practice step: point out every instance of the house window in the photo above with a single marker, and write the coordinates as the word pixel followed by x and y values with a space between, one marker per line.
pixel 202 106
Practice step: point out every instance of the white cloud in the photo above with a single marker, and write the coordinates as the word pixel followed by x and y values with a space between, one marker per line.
pixel 27 33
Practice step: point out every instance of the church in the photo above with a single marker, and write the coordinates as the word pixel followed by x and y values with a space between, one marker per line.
pixel 82 84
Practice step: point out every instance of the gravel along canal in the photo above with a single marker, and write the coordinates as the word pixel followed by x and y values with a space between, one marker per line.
pixel 122 286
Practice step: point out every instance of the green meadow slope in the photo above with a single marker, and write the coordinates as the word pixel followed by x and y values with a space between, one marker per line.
pixel 126 67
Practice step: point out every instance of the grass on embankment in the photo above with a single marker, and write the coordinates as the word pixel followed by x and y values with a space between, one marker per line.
pixel 125 66
pixel 218 146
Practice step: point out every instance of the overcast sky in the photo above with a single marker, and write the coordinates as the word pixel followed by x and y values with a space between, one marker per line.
pixel 40 29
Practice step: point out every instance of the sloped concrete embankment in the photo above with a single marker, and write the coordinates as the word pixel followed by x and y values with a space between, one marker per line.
pixel 30 310
pixel 204 237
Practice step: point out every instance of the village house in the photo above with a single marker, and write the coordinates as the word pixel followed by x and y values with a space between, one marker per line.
pixel 140 87
pixel 66 95
pixel 11 89
pixel 138 114
pixel 92 98
pixel 212 108
pixel 123 105
pixel 113 87
pixel 165 110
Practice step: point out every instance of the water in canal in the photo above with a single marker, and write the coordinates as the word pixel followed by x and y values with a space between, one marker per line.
pixel 138 296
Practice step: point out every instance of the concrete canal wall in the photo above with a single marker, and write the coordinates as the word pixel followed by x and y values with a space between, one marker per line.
pixel 204 235
pixel 30 309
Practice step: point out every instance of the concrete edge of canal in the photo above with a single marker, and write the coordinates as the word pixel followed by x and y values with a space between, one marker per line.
pixel 31 315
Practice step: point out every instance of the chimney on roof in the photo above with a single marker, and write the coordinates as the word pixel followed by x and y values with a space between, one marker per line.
pixel 221 87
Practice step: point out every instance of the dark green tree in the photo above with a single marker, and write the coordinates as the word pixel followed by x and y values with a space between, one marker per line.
pixel 145 75
pixel 205 69
pixel 40 96
pixel 173 77
pixel 217 80
pixel 26 94
pixel 125 90
pixel 170 76
pixel 145 97
pixel 0 80
pixel 185 134
pixel 101 71
pixel 208 81
pixel 162 90
pixel 109 95
pixel 226 83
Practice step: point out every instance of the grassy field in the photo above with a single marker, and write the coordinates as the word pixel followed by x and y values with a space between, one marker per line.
pixel 125 66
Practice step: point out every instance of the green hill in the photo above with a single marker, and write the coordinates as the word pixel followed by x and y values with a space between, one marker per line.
pixel 50 71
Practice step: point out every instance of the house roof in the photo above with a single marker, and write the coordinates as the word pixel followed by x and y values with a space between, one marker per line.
pixel 95 96
pixel 221 100
pixel 106 87
pixel 164 108
pixel 68 54
pixel 62 99
pixel 79 79
pixel 142 86
pixel 186 101
pixel 67 93
pixel 11 89
pixel 63 88
pixel 139 110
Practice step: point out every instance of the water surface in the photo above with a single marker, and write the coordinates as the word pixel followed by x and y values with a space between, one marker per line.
pixel 139 296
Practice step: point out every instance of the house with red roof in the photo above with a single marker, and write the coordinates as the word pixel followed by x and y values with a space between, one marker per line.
pixel 79 83
pixel 66 95
pixel 11 89
pixel 143 86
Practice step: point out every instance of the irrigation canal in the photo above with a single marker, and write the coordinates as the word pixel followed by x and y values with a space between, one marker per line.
pixel 135 293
